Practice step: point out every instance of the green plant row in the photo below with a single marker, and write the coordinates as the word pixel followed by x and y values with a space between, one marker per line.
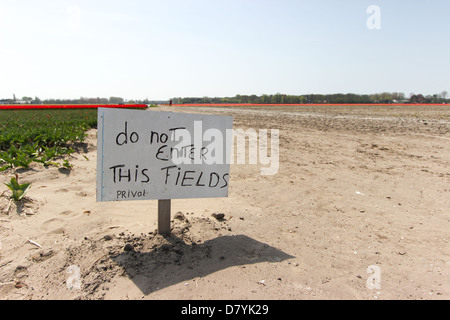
pixel 41 136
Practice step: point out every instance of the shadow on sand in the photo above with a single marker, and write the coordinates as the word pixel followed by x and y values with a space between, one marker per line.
pixel 176 261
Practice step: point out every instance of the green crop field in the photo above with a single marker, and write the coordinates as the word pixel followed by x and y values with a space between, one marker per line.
pixel 42 136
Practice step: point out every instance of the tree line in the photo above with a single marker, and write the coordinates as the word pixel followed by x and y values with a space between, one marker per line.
pixel 349 98
pixel 81 100
pixel 278 98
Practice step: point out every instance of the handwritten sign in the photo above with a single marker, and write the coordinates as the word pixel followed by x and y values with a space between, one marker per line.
pixel 150 155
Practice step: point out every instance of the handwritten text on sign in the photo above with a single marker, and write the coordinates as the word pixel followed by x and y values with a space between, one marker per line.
pixel 149 155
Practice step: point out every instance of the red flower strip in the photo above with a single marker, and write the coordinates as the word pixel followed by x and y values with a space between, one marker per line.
pixel 70 106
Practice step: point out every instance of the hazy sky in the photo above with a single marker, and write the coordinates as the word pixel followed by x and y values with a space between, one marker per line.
pixel 183 48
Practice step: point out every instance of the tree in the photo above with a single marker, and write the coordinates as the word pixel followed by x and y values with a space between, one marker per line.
pixel 418 99
pixel 277 98
pixel 444 95
pixel 36 101
pixel 116 100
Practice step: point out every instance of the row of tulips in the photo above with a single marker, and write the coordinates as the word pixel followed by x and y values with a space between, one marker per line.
pixel 70 106
pixel 297 105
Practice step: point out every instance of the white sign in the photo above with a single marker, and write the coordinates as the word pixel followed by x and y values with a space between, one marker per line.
pixel 151 155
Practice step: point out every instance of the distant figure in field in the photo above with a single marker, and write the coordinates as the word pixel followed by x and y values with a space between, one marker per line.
pixel 170 102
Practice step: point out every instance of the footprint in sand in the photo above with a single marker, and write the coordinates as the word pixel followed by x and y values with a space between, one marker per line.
pixel 62 190
pixel 79 190
pixel 59 224
pixel 81 194
pixel 67 213
pixel 54 226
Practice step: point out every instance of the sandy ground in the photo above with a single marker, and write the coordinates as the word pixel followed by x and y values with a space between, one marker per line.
pixel 361 193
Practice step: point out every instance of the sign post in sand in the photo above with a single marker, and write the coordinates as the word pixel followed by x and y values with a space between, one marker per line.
pixel 145 155
pixel 164 216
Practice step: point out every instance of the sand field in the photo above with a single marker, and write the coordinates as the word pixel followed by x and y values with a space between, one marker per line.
pixel 359 192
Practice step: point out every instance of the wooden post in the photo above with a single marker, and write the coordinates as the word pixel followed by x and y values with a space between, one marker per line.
pixel 164 217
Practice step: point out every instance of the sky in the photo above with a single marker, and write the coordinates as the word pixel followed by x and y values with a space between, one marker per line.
pixel 138 49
